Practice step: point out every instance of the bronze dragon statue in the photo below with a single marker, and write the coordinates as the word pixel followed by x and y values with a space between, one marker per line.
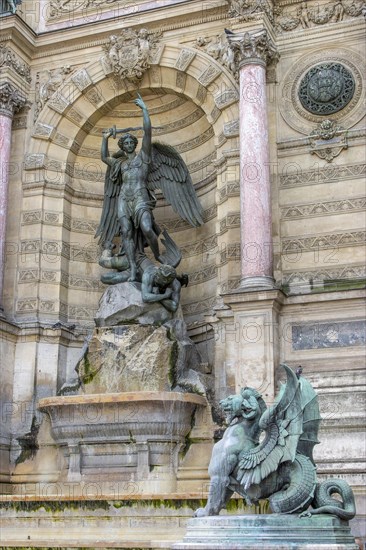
pixel 280 466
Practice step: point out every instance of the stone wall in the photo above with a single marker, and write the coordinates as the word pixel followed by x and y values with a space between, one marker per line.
pixel 55 188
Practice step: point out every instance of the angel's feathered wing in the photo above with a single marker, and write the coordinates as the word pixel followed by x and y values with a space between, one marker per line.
pixel 109 225
pixel 284 426
pixel 169 173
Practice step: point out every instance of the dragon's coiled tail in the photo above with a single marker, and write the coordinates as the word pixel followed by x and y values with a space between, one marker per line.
pixel 300 488
pixel 324 504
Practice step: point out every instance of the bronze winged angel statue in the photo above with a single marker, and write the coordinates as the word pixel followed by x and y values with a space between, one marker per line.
pixel 129 200
pixel 279 466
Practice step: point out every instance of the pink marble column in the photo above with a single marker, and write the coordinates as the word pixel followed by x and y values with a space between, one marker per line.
pixel 253 52
pixel 11 100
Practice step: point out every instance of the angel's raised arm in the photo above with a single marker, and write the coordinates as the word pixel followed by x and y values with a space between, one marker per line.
pixel 146 140
pixel 104 149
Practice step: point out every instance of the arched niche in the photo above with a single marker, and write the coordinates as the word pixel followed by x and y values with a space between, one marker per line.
pixel 192 98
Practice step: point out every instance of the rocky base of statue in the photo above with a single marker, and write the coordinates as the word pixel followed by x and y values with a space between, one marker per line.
pixel 122 303
pixel 269 531
pixel 136 355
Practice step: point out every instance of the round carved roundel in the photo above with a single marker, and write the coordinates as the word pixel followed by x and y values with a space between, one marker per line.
pixel 326 88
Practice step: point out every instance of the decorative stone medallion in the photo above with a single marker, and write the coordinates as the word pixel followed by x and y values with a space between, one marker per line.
pixel 326 88
pixel 337 93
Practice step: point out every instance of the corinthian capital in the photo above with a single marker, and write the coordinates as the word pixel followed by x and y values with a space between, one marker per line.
pixel 255 47
pixel 11 99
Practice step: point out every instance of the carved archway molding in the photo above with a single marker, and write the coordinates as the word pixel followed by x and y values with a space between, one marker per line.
pixel 90 93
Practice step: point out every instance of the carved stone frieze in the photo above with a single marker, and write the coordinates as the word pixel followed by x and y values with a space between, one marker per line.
pixel 47 84
pixel 78 312
pixel 36 160
pixel 81 282
pixel 325 241
pixel 130 54
pixel 11 99
pixel 26 305
pixel 323 208
pixel 82 79
pixel 226 98
pixel 94 96
pixel 33 216
pixel 185 58
pixel 199 306
pixel 197 277
pixel 249 10
pixel 42 131
pixel 57 8
pixel 9 59
pixel 28 275
pixel 230 190
pixel 311 14
pixel 61 139
pixel 232 284
pixel 75 116
pixel 328 174
pixel 231 129
pixel 178 224
pixel 199 247
pixel 230 220
pixel 230 253
pixel 329 273
pixel 328 140
pixel 208 75
pixel 47 306
pixel 58 103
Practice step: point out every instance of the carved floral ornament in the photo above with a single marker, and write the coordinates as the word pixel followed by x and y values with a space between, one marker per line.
pixel 130 54
pixel 235 49
pixel 9 59
pixel 11 99
pixel 328 140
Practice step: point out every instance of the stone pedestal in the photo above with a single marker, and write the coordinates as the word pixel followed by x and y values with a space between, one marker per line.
pixel 274 531
pixel 247 342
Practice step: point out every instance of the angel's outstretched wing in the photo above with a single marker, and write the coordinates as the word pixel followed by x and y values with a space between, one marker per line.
pixel 109 225
pixel 283 425
pixel 169 173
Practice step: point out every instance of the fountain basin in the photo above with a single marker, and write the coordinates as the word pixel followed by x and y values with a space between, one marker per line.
pixel 125 436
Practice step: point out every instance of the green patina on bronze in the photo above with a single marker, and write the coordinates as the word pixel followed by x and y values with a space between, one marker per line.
pixel 280 466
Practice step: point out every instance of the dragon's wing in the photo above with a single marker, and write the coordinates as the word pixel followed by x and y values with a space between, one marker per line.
pixel 109 225
pixel 169 173
pixel 283 425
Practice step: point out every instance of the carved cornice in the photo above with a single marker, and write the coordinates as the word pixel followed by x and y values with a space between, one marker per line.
pixel 250 10
pixel 11 99
pixel 255 48
pixel 312 14
pixel 9 59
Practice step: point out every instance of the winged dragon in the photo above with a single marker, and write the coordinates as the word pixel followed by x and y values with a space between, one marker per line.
pixel 129 200
pixel 279 466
